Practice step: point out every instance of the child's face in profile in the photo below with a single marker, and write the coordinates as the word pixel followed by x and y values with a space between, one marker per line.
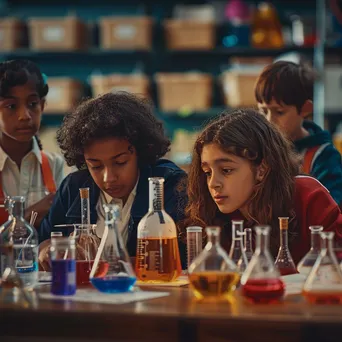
pixel 285 117
pixel 20 112
pixel 230 178
pixel 113 165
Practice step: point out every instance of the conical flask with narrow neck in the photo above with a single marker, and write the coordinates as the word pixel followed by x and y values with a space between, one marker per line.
pixel 284 260
pixel 305 265
pixel 213 275
pixel 324 282
pixel 261 281
pixel 237 253
pixel 112 271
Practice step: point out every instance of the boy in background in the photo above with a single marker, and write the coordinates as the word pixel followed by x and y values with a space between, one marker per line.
pixel 284 92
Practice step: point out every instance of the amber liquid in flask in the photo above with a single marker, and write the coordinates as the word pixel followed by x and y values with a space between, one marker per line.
pixel 213 275
pixel 157 257
pixel 324 282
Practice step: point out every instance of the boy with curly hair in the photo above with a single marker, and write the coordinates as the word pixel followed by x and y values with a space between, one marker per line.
pixel 117 144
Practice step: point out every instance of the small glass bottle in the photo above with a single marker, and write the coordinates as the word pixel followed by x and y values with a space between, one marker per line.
pixel 284 260
pixel 305 265
pixel 213 275
pixel 24 239
pixel 248 244
pixel 324 282
pixel 261 281
pixel 237 253
pixel 63 266
pixel 112 271
pixel 157 246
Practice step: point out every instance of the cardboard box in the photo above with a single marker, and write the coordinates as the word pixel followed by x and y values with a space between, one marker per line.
pixel 135 83
pixel 126 33
pixel 184 91
pixel 64 95
pixel 58 34
pixel 189 34
pixel 12 34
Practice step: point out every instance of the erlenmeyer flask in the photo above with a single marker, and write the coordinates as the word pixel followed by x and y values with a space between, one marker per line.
pixel 248 244
pixel 157 246
pixel 324 282
pixel 284 260
pixel 25 244
pixel 112 271
pixel 237 253
pixel 261 281
pixel 86 250
pixel 213 275
pixel 305 265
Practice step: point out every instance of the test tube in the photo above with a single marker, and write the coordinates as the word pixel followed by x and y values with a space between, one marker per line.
pixel 85 208
pixel 193 242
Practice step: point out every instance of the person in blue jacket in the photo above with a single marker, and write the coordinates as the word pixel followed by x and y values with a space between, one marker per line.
pixel 116 143
pixel 284 92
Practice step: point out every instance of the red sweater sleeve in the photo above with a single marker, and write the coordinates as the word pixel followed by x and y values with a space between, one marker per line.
pixel 315 206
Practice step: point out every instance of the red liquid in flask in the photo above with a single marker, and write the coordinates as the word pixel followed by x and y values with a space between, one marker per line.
pixel 83 269
pixel 287 271
pixel 263 290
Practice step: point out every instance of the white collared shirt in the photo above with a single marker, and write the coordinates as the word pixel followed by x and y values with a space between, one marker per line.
pixel 125 212
pixel 28 181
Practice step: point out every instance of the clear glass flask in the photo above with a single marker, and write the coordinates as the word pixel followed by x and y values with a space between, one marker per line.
pixel 213 275
pixel 237 253
pixel 284 260
pixel 305 265
pixel 261 281
pixel 24 239
pixel 194 242
pixel 157 246
pixel 324 282
pixel 112 271
pixel 248 244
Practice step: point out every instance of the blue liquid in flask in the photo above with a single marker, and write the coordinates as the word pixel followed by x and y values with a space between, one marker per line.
pixel 115 284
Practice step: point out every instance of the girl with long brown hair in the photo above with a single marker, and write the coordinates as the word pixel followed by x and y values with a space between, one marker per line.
pixel 243 168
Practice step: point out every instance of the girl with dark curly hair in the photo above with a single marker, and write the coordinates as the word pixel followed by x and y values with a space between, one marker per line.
pixel 116 143
pixel 24 167
pixel 243 168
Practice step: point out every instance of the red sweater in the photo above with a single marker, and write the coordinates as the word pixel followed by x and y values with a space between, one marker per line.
pixel 314 206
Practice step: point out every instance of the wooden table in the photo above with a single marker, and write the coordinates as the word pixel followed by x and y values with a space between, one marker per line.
pixel 177 317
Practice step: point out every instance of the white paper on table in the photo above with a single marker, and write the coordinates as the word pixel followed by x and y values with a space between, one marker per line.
pixel 93 296
pixel 293 283
pixel 44 277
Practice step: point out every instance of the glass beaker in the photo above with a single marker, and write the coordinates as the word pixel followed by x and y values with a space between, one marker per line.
pixel 284 260
pixel 24 240
pixel 261 281
pixel 63 266
pixel 213 275
pixel 157 246
pixel 237 253
pixel 86 250
pixel 305 265
pixel 324 282
pixel 193 243
pixel 112 271
pixel 248 244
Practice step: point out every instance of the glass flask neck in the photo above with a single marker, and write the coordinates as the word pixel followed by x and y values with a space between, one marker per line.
pixel 327 241
pixel 213 234
pixel 262 238
pixel 248 240
pixel 316 241
pixel 18 207
pixel 156 194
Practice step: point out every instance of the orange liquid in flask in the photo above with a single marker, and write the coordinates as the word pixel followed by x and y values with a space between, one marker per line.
pixel 158 260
